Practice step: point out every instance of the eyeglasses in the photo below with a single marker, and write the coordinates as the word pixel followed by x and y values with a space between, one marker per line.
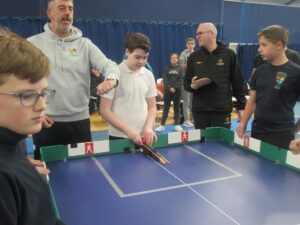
pixel 202 32
pixel 30 98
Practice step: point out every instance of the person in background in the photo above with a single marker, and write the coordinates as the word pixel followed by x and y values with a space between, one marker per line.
pixel 72 56
pixel 172 78
pixel 187 96
pixel 130 109
pixel 275 87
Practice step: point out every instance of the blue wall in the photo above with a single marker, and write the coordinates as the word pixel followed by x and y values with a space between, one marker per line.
pixel 166 23
pixel 243 21
pixel 239 22
pixel 32 8
pixel 149 10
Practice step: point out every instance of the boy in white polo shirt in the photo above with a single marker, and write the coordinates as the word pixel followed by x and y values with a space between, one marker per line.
pixel 130 109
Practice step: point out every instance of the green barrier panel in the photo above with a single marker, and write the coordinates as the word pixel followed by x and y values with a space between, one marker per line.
pixel 54 153
pixel 268 151
pixel 118 146
pixel 53 203
pixel 273 153
pixel 162 141
pixel 60 152
pixel 211 134
pixel 226 135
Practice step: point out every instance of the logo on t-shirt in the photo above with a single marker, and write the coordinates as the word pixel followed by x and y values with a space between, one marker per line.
pixel 220 62
pixel 72 51
pixel 173 72
pixel 280 78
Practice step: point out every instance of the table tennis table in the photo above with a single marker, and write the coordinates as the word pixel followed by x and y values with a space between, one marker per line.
pixel 223 181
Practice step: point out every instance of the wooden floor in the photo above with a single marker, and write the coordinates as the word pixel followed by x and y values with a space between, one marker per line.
pixel 98 123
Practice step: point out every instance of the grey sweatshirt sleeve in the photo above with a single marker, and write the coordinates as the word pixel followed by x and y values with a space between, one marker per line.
pixel 99 61
pixel 182 58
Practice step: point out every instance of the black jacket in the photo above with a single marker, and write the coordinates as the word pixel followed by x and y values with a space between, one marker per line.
pixel 172 77
pixel 24 196
pixel 222 67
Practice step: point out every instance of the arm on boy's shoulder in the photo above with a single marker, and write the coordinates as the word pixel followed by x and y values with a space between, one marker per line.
pixel 106 86
pixel 108 68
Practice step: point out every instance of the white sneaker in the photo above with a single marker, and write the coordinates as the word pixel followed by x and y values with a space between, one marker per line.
pixel 160 128
pixel 188 124
pixel 178 128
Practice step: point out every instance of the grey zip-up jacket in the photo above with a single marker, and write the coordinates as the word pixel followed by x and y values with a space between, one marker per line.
pixel 71 61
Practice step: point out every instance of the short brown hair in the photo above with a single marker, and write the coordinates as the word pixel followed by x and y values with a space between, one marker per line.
pixel 51 3
pixel 137 40
pixel 275 33
pixel 190 39
pixel 21 59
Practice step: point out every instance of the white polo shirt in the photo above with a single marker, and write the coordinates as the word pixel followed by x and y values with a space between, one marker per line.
pixel 129 98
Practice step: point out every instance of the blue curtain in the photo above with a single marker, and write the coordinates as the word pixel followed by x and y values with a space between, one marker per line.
pixel 108 35
pixel 246 54
pixel 165 38
pixel 24 26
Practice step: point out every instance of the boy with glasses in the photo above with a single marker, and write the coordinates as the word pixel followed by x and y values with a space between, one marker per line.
pixel 24 94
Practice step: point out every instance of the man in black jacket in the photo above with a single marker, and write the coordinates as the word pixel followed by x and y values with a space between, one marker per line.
pixel 213 75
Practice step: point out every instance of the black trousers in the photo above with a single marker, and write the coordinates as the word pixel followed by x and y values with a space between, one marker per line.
pixel 205 119
pixel 168 97
pixel 62 133
pixel 281 140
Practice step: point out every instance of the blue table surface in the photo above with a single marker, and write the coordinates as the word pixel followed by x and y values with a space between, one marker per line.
pixel 209 183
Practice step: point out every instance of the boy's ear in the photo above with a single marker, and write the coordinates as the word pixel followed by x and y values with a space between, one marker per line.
pixel 279 45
